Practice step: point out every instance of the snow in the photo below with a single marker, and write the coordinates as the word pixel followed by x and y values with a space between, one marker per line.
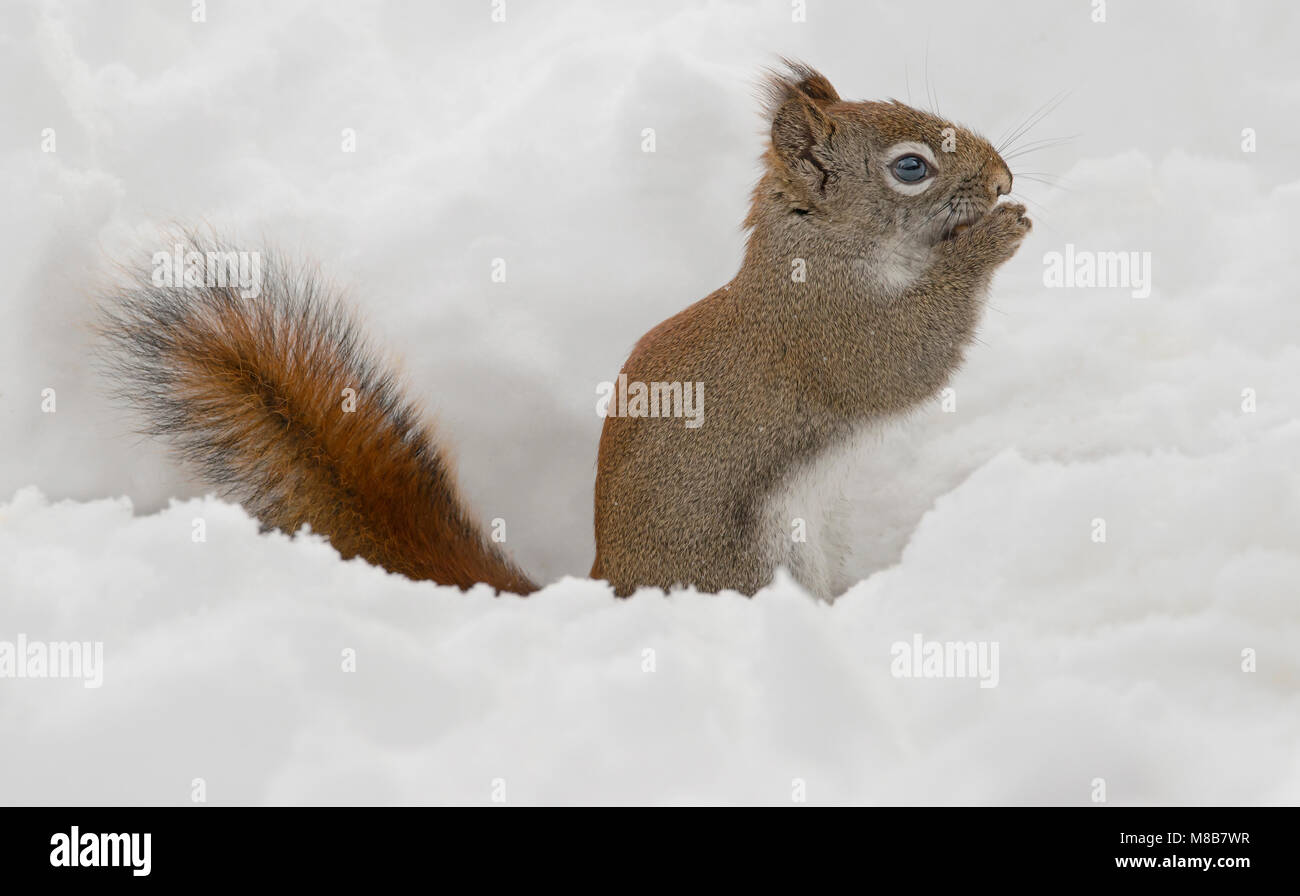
pixel 224 660
pixel 1173 418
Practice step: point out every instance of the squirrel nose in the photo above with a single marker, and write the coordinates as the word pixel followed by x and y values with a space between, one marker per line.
pixel 1002 180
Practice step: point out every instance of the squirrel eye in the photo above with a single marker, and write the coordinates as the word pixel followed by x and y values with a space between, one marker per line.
pixel 910 169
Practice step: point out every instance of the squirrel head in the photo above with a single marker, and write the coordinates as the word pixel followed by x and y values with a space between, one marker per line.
pixel 868 175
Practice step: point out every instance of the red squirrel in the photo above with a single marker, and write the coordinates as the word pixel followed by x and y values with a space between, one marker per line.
pixel 874 232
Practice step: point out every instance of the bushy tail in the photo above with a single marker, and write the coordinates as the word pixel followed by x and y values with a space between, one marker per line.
pixel 279 401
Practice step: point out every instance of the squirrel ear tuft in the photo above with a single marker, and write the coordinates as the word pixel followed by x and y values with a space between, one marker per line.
pixel 797 80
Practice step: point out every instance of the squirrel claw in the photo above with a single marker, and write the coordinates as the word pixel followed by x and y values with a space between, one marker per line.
pixel 996 236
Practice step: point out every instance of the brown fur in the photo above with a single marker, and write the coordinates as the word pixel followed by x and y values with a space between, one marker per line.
pixel 252 392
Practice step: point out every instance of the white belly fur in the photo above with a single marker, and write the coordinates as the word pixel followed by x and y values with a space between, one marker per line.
pixel 814 493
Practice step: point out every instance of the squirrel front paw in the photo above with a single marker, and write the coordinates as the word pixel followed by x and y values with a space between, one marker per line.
pixel 994 238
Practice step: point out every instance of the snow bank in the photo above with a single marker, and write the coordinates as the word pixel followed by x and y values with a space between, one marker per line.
pixel 225 660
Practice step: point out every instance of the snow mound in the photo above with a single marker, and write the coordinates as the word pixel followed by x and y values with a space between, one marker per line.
pixel 277 673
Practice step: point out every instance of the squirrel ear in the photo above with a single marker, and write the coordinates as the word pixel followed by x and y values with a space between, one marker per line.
pixel 800 124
